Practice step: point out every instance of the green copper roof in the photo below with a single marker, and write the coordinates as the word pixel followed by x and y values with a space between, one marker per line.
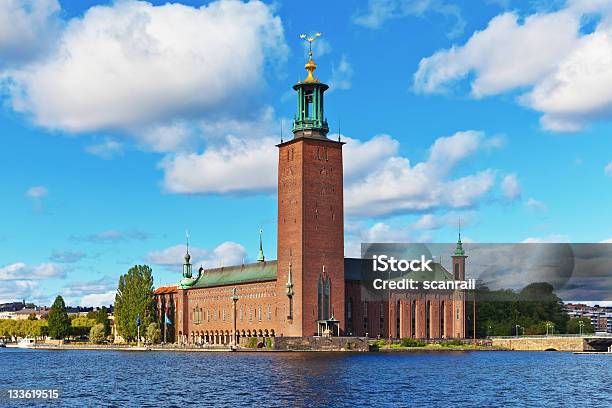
pixel 459 249
pixel 232 275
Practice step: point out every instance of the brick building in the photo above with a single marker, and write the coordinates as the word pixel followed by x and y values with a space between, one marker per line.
pixel 312 289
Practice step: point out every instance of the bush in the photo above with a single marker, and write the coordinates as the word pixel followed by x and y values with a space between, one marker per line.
pixel 96 334
pixel 268 342
pixel 451 343
pixel 251 342
pixel 412 343
pixel 153 333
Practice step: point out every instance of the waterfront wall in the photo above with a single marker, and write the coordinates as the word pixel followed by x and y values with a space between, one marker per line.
pixel 542 343
pixel 312 343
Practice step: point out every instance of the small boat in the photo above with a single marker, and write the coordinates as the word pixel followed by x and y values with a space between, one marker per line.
pixel 26 342
pixel 2 345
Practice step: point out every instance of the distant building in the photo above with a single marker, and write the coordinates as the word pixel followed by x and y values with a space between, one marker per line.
pixel 600 316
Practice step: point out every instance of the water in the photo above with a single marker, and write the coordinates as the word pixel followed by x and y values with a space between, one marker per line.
pixel 150 379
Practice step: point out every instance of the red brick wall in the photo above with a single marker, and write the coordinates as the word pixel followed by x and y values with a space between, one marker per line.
pixel 310 229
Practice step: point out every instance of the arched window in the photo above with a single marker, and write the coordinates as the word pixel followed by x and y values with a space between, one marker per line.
pixel 250 313
pixel 269 312
pixel 259 313
pixel 324 297
pixel 456 270
pixel 240 312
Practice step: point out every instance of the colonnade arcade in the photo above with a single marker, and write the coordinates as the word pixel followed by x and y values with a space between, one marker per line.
pixel 213 337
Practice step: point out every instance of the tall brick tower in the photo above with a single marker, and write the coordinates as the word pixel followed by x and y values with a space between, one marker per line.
pixel 310 219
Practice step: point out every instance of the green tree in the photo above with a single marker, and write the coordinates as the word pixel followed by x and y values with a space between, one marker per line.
pixel 573 326
pixel 102 317
pixel 81 326
pixel 59 323
pixel 153 333
pixel 96 334
pixel 134 298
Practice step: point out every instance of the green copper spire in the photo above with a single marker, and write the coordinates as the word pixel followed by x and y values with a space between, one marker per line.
pixel 309 119
pixel 261 257
pixel 459 251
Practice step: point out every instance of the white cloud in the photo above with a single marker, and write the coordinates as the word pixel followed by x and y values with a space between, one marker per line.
pixel 342 75
pixel 106 150
pixel 113 236
pixel 356 233
pixel 503 56
pixel 16 290
pixel 67 256
pixel 380 11
pixel 451 219
pixel 535 205
pixel 133 64
pixel 378 181
pixel 99 299
pixel 608 169
pixel 20 271
pixel 563 72
pixel 227 253
pixel 606 241
pixel 27 29
pixel 242 165
pixel 552 238
pixel 37 192
pixel 511 188
pixel 397 186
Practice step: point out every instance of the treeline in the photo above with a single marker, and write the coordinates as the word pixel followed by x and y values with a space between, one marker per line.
pixel 57 324
pixel 535 309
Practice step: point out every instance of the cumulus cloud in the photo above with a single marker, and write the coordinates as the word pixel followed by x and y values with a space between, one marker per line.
pixel 227 253
pixel 357 232
pixel 10 291
pixel 20 271
pixel 100 292
pixel 378 181
pixel 27 29
pixel 239 166
pixel 561 70
pixel 398 186
pixel 380 11
pixel 132 64
pixel 511 188
pixel 98 299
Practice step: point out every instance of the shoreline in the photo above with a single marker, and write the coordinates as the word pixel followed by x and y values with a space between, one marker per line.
pixel 407 350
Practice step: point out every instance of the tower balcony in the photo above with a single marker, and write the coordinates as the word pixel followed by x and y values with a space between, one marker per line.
pixel 310 124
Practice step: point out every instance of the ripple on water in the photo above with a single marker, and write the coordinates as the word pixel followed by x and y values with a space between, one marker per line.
pixel 109 378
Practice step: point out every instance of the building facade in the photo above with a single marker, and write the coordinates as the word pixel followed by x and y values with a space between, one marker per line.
pixel 311 289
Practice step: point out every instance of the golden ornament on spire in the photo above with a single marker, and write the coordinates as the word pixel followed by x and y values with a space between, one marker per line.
pixel 310 65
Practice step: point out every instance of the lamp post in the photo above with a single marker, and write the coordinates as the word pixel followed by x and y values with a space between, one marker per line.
pixel 581 324
pixel 234 301
pixel 517 327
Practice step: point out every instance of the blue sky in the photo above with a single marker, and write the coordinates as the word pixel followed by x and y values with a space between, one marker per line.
pixel 125 123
